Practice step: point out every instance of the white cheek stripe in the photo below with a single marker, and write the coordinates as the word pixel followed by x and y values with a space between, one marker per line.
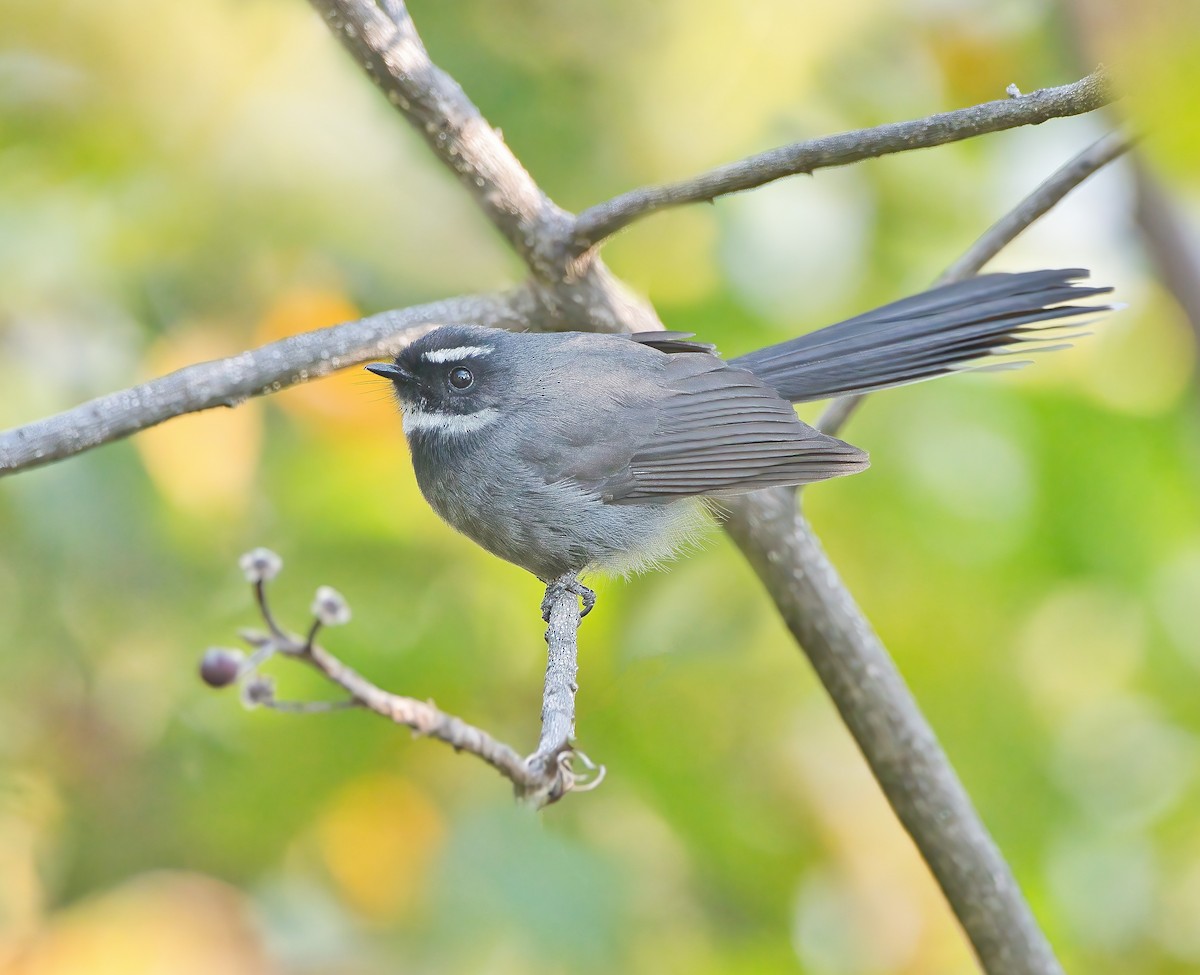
pixel 447 424
pixel 458 352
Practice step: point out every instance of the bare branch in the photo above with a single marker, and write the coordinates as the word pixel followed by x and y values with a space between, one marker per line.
pixel 423 717
pixel 388 48
pixel 229 382
pixel 542 778
pixel 1002 233
pixel 575 288
pixel 1048 195
pixel 1172 244
pixel 562 665
pixel 596 223
pixel 896 740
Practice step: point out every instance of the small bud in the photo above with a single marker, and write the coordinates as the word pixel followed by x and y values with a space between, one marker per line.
pixel 330 607
pixel 220 667
pixel 258 690
pixel 260 565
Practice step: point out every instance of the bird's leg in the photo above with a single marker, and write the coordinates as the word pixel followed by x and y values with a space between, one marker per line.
pixel 563 584
pixel 586 595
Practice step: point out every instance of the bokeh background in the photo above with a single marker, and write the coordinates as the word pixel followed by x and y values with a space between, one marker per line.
pixel 181 181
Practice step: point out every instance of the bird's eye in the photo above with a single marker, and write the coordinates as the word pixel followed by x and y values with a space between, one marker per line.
pixel 461 378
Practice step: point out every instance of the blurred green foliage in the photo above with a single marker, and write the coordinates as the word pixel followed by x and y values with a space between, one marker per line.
pixel 182 181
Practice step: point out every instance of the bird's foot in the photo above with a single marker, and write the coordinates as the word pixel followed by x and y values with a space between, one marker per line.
pixel 567 584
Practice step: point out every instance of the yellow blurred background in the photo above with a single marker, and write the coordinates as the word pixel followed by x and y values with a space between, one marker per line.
pixel 180 182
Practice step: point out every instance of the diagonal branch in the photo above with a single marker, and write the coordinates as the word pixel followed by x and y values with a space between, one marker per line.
pixel 575 288
pixel 1002 233
pixel 603 220
pixel 898 743
pixel 1172 244
pixel 1041 201
pixel 228 382
pixel 387 47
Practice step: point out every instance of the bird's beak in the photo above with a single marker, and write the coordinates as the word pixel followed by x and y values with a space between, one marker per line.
pixel 389 370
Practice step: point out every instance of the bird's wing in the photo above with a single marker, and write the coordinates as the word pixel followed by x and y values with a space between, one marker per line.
pixel 670 342
pixel 720 431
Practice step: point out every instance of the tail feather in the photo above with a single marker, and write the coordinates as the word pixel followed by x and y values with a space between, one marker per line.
pixel 947 329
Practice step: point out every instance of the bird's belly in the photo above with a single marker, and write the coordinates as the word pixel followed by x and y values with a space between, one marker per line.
pixel 555 529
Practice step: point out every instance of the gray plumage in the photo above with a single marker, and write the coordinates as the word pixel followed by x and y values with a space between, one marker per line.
pixel 927 335
pixel 572 451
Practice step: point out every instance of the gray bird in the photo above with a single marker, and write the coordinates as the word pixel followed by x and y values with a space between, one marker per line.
pixel 572 452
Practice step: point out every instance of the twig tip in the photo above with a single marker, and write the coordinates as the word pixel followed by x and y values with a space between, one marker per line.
pixel 330 607
pixel 260 565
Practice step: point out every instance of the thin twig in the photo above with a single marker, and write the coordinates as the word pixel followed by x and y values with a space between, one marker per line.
pixel 999 235
pixel 541 778
pixel 603 220
pixel 538 779
pixel 1173 245
pixel 1048 195
pixel 552 761
pixel 423 717
pixel 562 668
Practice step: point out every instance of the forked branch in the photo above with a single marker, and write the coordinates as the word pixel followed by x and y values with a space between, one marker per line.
pixel 538 780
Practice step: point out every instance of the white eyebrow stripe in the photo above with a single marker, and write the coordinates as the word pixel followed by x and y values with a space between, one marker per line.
pixel 458 352
pixel 448 424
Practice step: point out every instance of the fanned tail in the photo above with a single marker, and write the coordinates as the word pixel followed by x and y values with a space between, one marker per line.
pixel 953 328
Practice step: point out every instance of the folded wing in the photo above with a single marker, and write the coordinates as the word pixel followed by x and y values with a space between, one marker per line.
pixel 720 431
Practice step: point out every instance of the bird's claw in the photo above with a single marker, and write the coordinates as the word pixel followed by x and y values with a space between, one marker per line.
pixel 567 584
